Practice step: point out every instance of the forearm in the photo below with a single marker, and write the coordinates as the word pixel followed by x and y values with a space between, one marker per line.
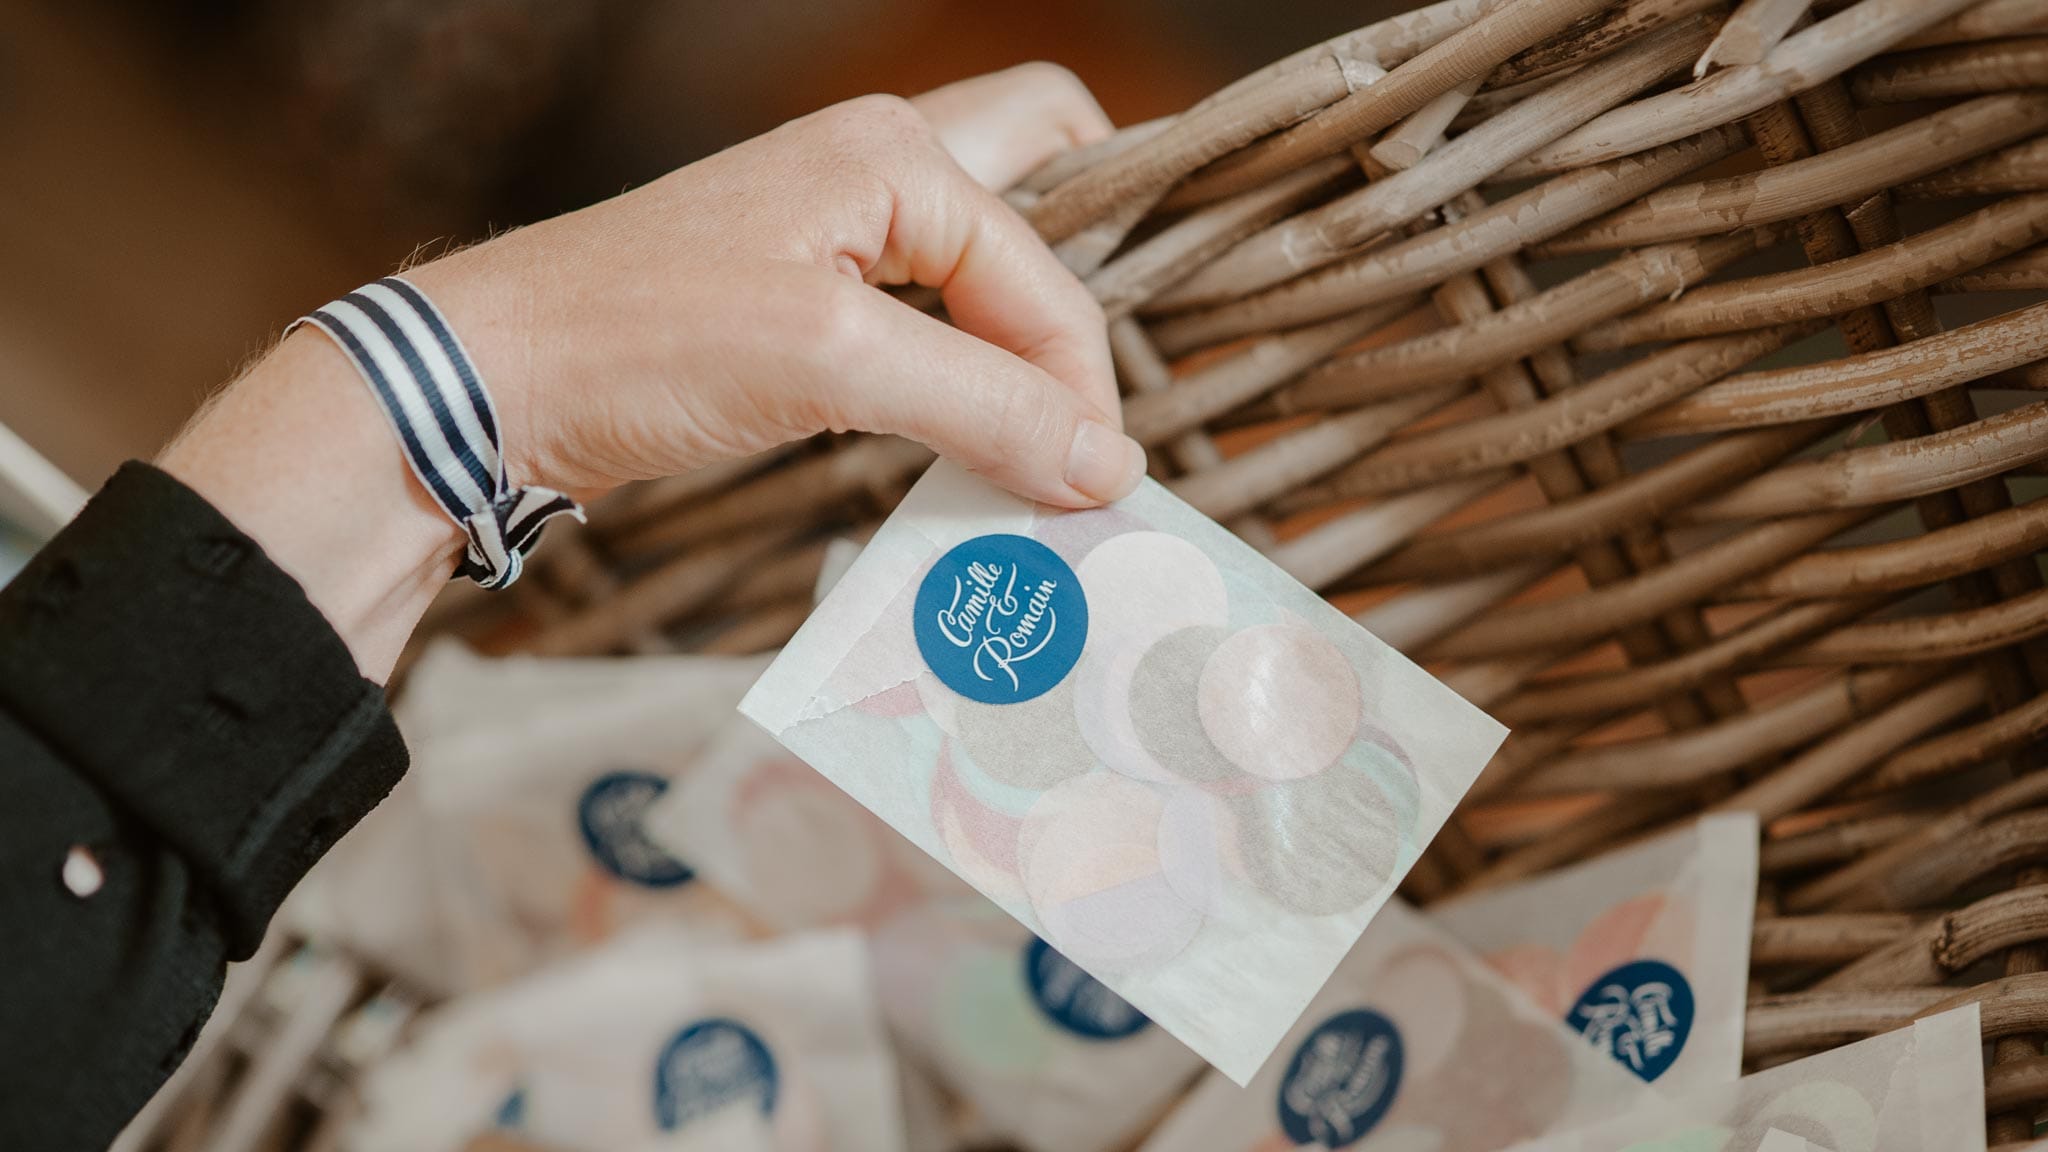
pixel 721 310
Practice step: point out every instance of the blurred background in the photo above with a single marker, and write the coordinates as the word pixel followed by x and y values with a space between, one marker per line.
pixel 183 177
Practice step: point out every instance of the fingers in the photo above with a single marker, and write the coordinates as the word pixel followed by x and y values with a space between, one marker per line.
pixel 998 279
pixel 1001 283
pixel 885 367
pixel 1003 125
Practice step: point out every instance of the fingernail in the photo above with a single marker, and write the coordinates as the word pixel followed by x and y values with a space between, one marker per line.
pixel 1103 463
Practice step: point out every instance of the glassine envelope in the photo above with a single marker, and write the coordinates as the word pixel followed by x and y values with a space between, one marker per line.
pixel 1414 1044
pixel 1169 760
pixel 1913 1090
pixel 1643 951
pixel 515 837
pixel 534 801
pixel 1050 1059
pixel 653 1041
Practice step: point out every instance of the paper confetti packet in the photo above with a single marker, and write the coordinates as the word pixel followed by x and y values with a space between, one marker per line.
pixel 1179 767
pixel 376 890
pixel 1414 1043
pixel 654 1040
pixel 1050 1059
pixel 1912 1090
pixel 516 836
pixel 1644 950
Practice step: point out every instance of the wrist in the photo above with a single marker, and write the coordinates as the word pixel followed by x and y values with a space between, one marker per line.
pixel 495 301
pixel 297 455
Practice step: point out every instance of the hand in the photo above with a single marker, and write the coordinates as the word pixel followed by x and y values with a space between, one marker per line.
pixel 722 309
pixel 733 304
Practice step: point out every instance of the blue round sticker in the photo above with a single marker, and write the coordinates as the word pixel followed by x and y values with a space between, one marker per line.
pixel 1342 1080
pixel 708 1066
pixel 610 813
pixel 1640 1014
pixel 1000 619
pixel 511 1110
pixel 1074 1000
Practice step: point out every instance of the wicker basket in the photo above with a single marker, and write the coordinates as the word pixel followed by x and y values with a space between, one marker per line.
pixel 1680 422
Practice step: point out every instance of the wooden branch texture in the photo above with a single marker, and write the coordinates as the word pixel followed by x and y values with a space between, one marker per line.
pixel 1692 424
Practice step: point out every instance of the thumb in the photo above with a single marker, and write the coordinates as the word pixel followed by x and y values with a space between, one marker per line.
pixel 991 411
pixel 1004 125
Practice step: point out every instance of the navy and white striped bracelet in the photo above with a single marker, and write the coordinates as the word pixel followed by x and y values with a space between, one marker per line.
pixel 427 386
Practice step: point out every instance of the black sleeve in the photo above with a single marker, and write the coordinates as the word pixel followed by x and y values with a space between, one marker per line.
pixel 172 705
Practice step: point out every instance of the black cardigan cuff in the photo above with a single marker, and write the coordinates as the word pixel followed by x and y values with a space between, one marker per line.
pixel 156 649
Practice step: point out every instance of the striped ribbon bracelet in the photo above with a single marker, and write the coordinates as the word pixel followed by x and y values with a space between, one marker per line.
pixel 427 386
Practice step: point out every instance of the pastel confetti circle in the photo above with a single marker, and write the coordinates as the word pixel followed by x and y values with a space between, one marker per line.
pixel 980 841
pixel 1612 938
pixel 1034 744
pixel 1194 828
pixel 1144 585
pixel 1321 845
pixel 1510 1076
pixel 1164 712
pixel 1091 869
pixel 1534 969
pixel 1427 997
pixel 1279 701
pixel 1137 924
pixel 1102 710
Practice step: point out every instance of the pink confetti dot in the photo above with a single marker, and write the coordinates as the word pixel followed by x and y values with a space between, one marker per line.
pixel 1280 701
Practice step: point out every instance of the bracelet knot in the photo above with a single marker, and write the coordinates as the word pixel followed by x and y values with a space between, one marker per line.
pixel 429 390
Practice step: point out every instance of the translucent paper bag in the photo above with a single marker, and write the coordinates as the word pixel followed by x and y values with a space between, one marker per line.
pixel 1051 1060
pixel 1182 769
pixel 534 777
pixel 1414 1044
pixel 374 889
pixel 1914 1090
pixel 654 1041
pixel 1644 951
pixel 786 843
